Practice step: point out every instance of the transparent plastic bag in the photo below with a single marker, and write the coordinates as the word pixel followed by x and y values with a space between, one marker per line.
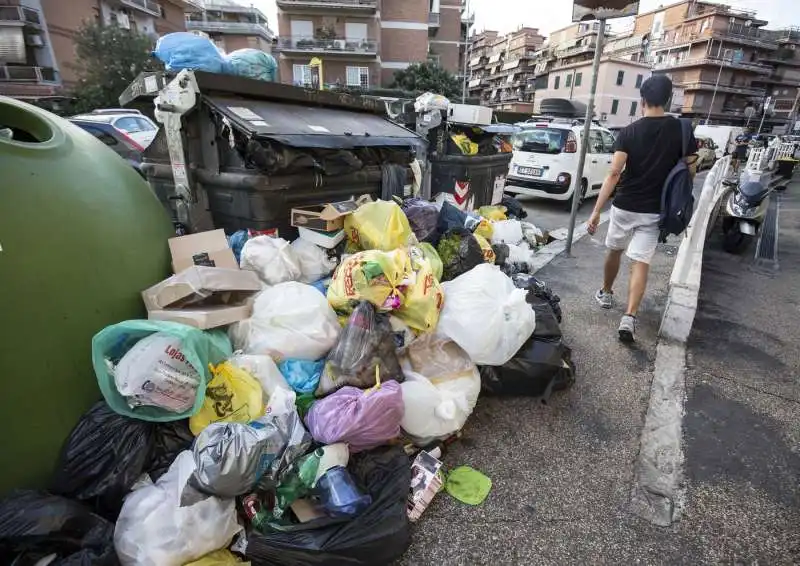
pixel 263 368
pixel 507 232
pixel 486 315
pixel 366 343
pixel 273 259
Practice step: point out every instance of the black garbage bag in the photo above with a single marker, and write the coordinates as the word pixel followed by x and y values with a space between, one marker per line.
pixel 459 252
pixel 450 217
pixel 34 525
pixel 102 458
pixel 500 253
pixel 169 440
pixel 376 537
pixel 514 208
pixel 540 367
pixel 538 288
pixel 423 217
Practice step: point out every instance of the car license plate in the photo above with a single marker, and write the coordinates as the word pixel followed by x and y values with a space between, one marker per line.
pixel 531 171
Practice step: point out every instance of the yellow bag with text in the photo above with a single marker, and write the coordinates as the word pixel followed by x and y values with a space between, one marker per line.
pixel 373 276
pixel 484 229
pixel 380 225
pixel 422 299
pixel 429 253
pixel 232 395
pixel 493 212
pixel 221 557
pixel 488 253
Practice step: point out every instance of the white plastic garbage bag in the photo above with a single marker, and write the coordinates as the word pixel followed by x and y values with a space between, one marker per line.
pixel 290 320
pixel 273 259
pixel 154 530
pixel 486 315
pixel 313 260
pixel 440 390
pixel 264 369
pixel 506 232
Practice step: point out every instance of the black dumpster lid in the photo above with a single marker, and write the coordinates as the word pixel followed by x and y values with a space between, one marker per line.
pixel 300 125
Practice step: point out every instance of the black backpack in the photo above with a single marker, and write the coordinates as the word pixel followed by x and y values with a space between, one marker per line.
pixel 677 200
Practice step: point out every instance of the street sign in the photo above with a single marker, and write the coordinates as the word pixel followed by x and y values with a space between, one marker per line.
pixel 603 9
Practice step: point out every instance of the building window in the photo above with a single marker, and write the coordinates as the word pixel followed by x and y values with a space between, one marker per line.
pixel 556 82
pixel 358 76
pixel 620 77
pixel 578 79
pixel 634 104
pixel 639 79
pixel 614 106
pixel 568 82
pixel 301 75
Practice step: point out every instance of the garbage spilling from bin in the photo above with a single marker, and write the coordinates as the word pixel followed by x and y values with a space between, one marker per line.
pixel 280 403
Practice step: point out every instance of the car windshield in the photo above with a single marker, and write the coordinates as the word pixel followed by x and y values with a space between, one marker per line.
pixel 541 140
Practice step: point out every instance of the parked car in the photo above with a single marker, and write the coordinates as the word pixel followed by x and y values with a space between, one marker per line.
pixel 119 141
pixel 132 122
pixel 545 162
pixel 706 152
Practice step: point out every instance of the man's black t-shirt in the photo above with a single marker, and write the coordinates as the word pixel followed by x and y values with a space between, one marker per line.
pixel 654 146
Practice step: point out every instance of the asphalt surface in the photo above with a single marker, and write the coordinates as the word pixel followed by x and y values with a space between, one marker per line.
pixel 562 472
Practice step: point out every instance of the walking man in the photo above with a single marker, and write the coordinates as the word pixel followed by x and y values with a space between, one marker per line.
pixel 644 153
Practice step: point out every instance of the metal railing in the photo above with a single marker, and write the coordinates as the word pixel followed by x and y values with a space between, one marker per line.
pixel 735 89
pixel 714 61
pixel 10 73
pixel 149 6
pixel 338 45
pixel 244 28
pixel 576 50
pixel 20 14
pixel 433 19
pixel 344 4
pixel 708 9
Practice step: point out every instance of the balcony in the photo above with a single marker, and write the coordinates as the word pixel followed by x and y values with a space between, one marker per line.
pixel 233 28
pixel 146 6
pixel 576 50
pixel 339 46
pixel 364 6
pixel 707 9
pixel 468 19
pixel 20 15
pixel 715 62
pixel 27 74
pixel 733 89
pixel 475 83
pixel 433 19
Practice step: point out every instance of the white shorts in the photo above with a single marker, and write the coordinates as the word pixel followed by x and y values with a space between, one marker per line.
pixel 638 231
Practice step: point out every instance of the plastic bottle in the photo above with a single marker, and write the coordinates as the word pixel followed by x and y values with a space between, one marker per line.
pixel 339 494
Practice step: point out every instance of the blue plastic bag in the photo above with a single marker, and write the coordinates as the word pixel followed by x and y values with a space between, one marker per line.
pixel 251 63
pixel 183 50
pixel 198 348
pixel 301 375
pixel 236 241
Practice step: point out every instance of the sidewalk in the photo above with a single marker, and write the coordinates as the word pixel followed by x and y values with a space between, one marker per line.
pixel 562 473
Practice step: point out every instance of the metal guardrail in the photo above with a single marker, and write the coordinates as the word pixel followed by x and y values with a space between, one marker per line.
pixel 338 45
pixel 694 62
pixel 10 73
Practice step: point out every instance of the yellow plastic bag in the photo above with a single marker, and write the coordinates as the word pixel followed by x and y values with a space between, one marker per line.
pixel 422 300
pixel 372 276
pixel 466 145
pixel 221 557
pixel 380 225
pixel 484 229
pixel 232 395
pixel 432 256
pixel 493 212
pixel 488 253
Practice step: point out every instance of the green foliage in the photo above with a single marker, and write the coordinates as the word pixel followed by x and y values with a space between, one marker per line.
pixel 109 58
pixel 428 77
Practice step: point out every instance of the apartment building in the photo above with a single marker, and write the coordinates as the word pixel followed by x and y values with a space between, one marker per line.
pixel 501 69
pixel 362 43
pixel 37 51
pixel 231 25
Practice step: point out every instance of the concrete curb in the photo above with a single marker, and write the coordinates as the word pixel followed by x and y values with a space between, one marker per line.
pixel 552 250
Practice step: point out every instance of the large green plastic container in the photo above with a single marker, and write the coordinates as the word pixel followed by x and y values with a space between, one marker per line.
pixel 81 234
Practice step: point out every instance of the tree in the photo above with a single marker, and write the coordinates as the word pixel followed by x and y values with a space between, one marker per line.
pixel 428 77
pixel 109 59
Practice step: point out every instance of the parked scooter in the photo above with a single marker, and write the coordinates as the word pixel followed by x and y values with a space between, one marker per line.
pixel 743 213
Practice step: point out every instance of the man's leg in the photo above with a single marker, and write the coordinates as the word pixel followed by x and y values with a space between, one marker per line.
pixel 616 239
pixel 637 286
pixel 640 251
pixel 611 269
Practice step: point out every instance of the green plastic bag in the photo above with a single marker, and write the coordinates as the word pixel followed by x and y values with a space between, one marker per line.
pixel 199 348
pixel 468 485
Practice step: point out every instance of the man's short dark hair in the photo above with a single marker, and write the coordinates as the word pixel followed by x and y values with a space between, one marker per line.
pixel 656 90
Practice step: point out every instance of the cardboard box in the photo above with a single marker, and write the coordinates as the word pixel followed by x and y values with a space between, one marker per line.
pixel 208 249
pixel 203 297
pixel 326 217
pixel 328 240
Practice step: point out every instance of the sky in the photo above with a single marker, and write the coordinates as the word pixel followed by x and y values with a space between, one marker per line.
pixel 549 15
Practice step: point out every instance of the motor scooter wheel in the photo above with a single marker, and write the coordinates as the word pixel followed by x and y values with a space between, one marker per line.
pixel 735 241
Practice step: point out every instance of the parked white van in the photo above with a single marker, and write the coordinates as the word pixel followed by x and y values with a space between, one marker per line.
pixel 545 161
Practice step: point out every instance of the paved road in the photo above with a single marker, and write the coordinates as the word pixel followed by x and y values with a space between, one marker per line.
pixel 550 215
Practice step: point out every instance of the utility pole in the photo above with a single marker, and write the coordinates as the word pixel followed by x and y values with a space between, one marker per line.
pixel 716 86
pixel 466 55
pixel 584 142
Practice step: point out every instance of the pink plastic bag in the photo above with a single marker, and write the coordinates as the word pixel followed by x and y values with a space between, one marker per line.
pixel 363 419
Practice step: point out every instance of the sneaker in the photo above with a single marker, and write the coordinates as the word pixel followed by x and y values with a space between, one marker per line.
pixel 627 328
pixel 606 300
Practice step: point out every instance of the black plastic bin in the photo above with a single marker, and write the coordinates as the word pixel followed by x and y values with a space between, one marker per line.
pixel 786 167
pixel 474 180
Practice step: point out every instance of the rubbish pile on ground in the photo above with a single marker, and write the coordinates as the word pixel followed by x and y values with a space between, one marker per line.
pixel 290 403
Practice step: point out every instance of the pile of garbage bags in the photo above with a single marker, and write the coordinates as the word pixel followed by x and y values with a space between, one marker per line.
pixel 288 436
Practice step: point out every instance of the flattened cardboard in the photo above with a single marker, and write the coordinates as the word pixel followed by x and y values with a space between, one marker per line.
pixel 209 249
pixel 205 318
pixel 326 217
pixel 201 286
